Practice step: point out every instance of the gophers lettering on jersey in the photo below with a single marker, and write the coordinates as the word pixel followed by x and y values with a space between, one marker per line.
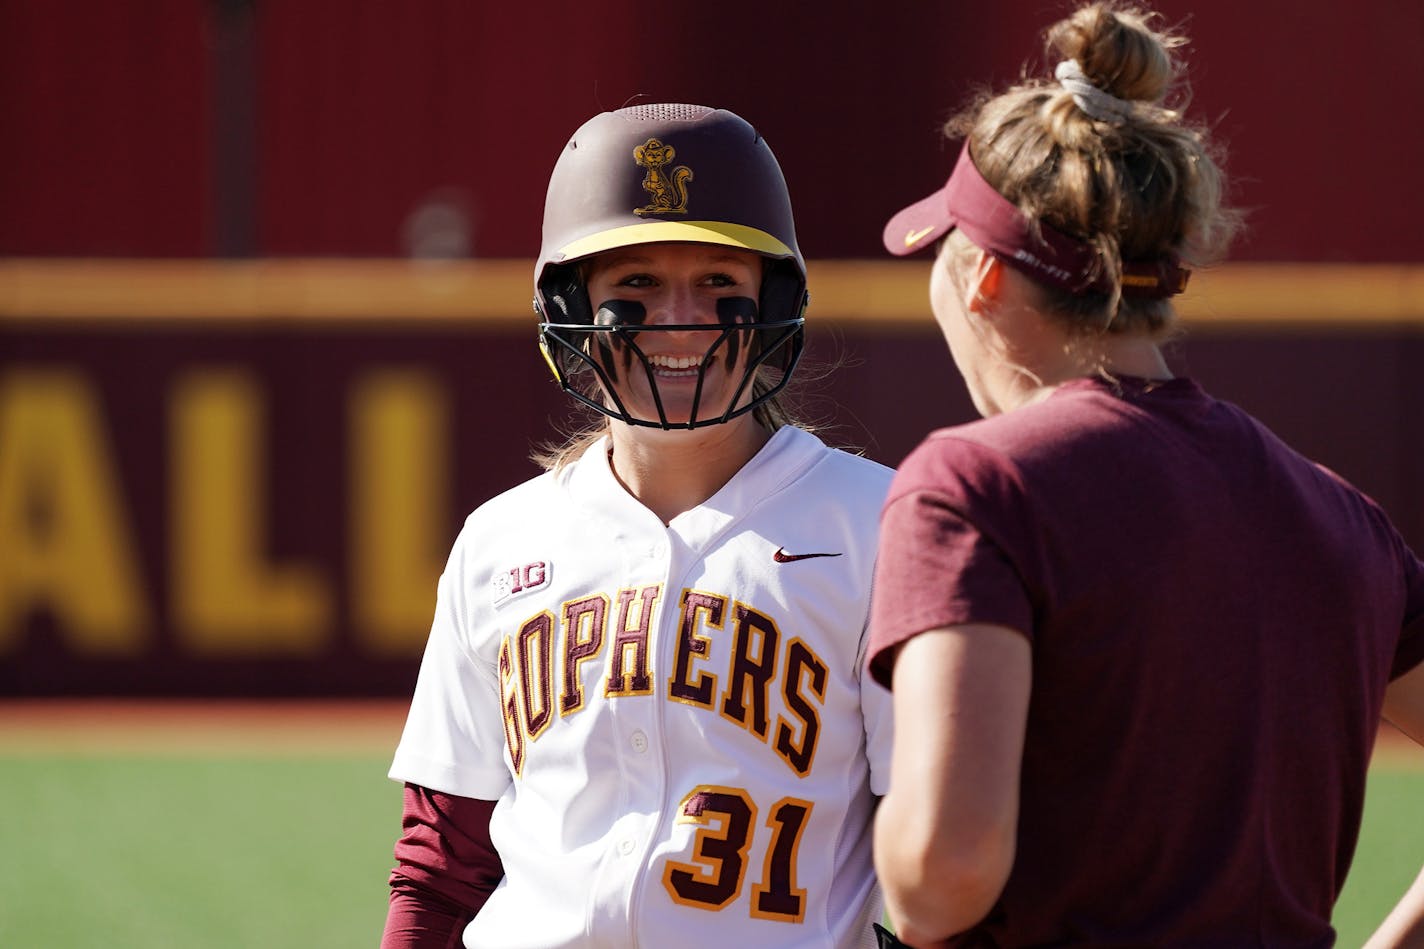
pixel 542 663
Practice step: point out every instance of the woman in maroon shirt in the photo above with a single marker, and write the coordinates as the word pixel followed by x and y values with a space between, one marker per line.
pixel 1139 647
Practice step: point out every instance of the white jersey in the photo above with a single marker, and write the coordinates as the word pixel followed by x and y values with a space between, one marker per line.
pixel 674 719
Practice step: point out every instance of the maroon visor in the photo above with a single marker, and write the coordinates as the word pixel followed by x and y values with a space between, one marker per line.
pixel 1045 253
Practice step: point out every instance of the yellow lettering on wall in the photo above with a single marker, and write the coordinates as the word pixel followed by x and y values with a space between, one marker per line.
pixel 65 543
pixel 226 599
pixel 400 489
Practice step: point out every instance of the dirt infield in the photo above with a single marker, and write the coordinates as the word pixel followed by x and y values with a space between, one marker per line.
pixel 188 727
pixel 281 727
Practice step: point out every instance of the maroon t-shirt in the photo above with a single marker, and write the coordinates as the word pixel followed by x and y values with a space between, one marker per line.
pixel 1213 622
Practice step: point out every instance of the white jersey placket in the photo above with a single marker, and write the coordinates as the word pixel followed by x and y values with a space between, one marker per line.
pixel 645 550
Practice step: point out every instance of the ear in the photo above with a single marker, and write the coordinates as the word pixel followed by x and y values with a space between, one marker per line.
pixel 986 283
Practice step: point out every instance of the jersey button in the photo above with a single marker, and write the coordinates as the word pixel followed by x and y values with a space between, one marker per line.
pixel 639 741
pixel 625 846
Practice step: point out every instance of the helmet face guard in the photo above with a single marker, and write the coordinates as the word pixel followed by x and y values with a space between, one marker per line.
pixel 668 174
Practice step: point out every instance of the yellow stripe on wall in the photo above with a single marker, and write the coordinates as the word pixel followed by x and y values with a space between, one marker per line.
pixel 285 289
pixel 891 293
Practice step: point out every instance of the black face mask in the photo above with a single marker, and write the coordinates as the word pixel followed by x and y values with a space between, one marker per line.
pixel 604 343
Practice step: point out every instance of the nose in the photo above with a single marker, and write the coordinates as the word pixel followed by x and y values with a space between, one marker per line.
pixel 680 305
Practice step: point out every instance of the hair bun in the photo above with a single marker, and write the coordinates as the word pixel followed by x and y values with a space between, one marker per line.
pixel 1118 50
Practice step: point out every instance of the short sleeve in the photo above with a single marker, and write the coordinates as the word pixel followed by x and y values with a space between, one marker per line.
pixel 454 734
pixel 947 554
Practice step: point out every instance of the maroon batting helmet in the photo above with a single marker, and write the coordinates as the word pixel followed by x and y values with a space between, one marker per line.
pixel 668 173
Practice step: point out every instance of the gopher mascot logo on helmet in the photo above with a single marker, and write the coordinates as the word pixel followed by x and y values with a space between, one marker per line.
pixel 667 188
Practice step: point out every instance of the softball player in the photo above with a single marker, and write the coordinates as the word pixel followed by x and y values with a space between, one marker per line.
pixel 642 718
pixel 1158 641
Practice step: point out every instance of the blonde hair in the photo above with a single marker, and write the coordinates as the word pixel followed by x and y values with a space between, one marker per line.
pixel 1139 187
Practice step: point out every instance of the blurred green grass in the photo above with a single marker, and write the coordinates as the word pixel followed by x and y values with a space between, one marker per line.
pixel 129 852
pixel 1390 851
pixel 134 852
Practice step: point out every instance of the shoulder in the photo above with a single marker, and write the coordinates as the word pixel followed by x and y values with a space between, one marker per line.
pixel 1364 513
pixel 949 459
pixel 1000 440
pixel 516 501
pixel 839 465
pixel 501 550
pixel 528 508
pixel 536 487
pixel 1087 424
pixel 856 471
pixel 826 479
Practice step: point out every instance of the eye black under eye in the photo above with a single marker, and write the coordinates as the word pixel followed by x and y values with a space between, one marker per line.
pixel 620 313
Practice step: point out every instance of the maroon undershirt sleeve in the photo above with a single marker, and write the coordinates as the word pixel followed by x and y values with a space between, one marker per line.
pixel 446 867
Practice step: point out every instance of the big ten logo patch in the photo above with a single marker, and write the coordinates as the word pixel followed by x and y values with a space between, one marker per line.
pixel 519 580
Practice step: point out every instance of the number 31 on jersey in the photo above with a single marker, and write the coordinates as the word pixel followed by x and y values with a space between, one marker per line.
pixel 715 879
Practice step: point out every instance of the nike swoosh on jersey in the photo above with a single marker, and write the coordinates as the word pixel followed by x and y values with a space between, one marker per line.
pixel 781 556
pixel 913 237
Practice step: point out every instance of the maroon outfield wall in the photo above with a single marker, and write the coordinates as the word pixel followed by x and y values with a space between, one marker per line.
pixel 323 127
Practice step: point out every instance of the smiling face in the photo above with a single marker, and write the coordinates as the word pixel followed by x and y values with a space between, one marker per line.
pixel 692 372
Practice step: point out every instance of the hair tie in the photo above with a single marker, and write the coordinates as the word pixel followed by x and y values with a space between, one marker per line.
pixel 1095 103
